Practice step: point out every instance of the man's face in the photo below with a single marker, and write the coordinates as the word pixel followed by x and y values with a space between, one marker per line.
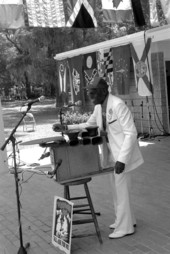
pixel 97 95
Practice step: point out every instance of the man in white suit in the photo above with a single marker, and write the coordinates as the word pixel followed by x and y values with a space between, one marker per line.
pixel 121 149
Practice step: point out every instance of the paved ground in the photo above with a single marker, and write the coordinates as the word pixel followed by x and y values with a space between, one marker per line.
pixel 151 198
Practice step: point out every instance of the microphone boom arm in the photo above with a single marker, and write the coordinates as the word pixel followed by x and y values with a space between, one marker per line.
pixel 10 138
pixel 22 249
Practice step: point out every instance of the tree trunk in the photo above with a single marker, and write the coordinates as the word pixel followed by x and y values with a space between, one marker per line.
pixel 27 84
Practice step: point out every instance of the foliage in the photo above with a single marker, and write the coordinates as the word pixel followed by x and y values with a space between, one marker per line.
pixel 4 55
pixel 27 54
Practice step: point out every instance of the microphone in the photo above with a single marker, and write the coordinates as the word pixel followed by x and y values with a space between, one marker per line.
pixel 77 103
pixel 52 173
pixel 40 99
pixel 44 155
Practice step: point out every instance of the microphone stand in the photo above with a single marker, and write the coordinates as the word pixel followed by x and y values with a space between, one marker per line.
pixel 22 249
pixel 61 118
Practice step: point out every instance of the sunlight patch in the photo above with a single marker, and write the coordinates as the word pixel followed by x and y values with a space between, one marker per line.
pixel 145 143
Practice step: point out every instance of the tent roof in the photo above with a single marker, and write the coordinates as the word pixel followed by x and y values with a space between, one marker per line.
pixel 161 33
pixel 157 34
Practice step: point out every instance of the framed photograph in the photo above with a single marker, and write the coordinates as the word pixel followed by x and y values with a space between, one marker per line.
pixel 62 224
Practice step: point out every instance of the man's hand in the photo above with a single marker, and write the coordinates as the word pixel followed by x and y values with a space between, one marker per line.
pixel 59 127
pixel 119 167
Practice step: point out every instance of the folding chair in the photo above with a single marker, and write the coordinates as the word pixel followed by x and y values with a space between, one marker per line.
pixel 29 121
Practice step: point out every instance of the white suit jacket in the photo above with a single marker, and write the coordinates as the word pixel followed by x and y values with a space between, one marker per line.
pixel 121 130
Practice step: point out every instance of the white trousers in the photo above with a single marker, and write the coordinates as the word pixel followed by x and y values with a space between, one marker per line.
pixel 125 218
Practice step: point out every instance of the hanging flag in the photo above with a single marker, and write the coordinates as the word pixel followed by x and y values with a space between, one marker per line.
pixel 117 11
pixel 75 66
pixel 105 65
pixel 108 61
pixel 89 71
pixel 11 14
pixel 45 13
pixel 121 69
pixel 80 14
pixel 153 13
pixel 138 13
pixel 89 67
pixel 105 62
pixel 140 53
pixel 166 9
pixel 100 62
pixel 62 74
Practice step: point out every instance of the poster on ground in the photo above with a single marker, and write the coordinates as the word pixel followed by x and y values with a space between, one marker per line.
pixel 62 224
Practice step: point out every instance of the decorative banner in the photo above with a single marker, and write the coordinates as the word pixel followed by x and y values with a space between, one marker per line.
pixel 90 67
pixel 108 61
pixel 80 14
pixel 153 13
pixel 100 62
pixel 75 65
pixel 11 14
pixel 158 74
pixel 117 11
pixel 62 71
pixel 105 65
pixel 138 13
pixel 140 52
pixel 62 65
pixel 45 13
pixel 166 9
pixel 62 224
pixel 121 69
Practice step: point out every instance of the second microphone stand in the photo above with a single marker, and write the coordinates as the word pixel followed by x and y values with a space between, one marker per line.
pixel 22 249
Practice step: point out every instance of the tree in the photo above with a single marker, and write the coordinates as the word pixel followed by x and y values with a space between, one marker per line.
pixel 5 80
pixel 27 55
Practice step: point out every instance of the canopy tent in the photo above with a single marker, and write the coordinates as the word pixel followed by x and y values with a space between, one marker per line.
pixel 140 43
pixel 157 34
pixel 102 45
pixel 151 80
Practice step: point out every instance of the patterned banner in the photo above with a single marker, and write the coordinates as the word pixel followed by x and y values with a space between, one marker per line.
pixel 100 62
pixel 166 9
pixel 138 13
pixel 45 13
pixel 153 13
pixel 81 14
pixel 11 14
pixel 105 65
pixel 62 73
pixel 121 69
pixel 140 53
pixel 75 65
pixel 89 71
pixel 117 11
pixel 89 67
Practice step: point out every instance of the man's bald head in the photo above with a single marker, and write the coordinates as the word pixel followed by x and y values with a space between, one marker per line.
pixel 98 90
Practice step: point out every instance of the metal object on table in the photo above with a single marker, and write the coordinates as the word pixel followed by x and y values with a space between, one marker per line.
pixel 79 161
